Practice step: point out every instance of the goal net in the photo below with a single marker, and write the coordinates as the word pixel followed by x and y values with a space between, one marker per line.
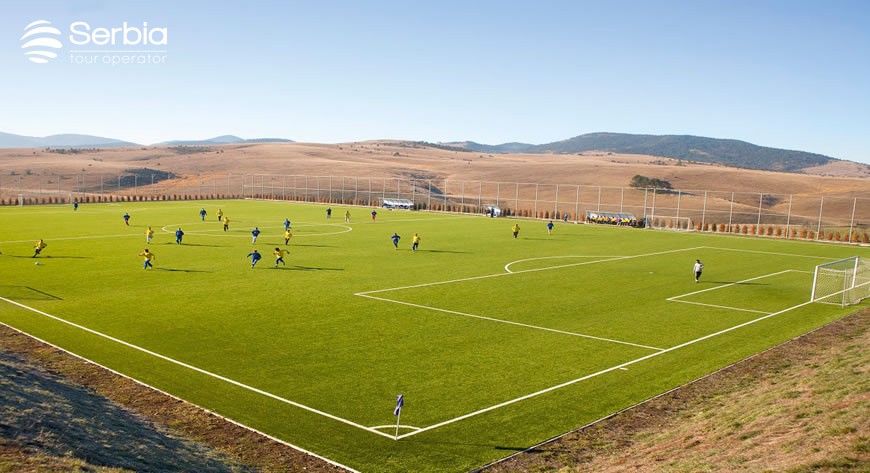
pixel 842 282
pixel 664 222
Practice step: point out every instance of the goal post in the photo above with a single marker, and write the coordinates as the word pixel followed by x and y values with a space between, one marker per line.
pixel 842 282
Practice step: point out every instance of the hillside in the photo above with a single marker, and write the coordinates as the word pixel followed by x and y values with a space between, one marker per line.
pixel 801 407
pixel 9 140
pixel 732 153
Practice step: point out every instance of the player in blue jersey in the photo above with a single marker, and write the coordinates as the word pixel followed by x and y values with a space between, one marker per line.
pixel 255 257
pixel 178 235
pixel 286 224
pixel 202 214
pixel 254 234
pixel 395 239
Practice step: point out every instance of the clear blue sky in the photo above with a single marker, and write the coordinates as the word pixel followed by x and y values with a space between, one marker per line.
pixel 784 73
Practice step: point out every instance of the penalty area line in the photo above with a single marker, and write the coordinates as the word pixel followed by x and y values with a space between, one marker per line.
pixel 599 373
pixel 197 369
pixel 509 322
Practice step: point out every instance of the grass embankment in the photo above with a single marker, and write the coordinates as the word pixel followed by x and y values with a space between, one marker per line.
pixel 803 406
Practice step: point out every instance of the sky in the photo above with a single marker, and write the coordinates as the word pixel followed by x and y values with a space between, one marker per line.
pixel 788 74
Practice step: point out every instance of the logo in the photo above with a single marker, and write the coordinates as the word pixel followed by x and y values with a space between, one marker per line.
pixel 40 38
pixel 114 45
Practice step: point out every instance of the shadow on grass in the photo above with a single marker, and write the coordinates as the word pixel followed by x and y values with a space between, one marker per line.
pixel 45 413
pixel 26 293
pixel 441 251
pixel 50 257
pixel 194 244
pixel 304 268
pixel 736 283
pixel 182 270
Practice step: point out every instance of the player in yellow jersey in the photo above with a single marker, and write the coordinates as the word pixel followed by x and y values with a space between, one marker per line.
pixel 415 242
pixel 279 256
pixel 38 247
pixel 148 256
pixel 226 223
pixel 148 235
pixel 516 229
pixel 287 236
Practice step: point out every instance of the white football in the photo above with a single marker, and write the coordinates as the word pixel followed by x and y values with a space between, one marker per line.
pixel 37 263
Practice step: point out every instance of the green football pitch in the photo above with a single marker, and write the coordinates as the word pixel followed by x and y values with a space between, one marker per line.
pixel 496 343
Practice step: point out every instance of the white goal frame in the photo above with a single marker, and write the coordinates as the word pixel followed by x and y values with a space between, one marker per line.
pixel 842 282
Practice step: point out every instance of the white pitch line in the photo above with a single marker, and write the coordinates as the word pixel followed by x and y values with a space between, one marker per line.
pixel 607 370
pixel 491 319
pixel 719 306
pixel 507 266
pixel 674 298
pixel 767 252
pixel 198 370
pixel 170 395
pixel 472 278
pixel 393 426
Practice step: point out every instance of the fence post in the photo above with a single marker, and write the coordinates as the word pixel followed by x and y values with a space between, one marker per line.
pixel 788 218
pixel 517 197
pixel 621 198
pixel 556 204
pixel 819 227
pixel 760 204
pixel 704 212
pixel 461 196
pixel 498 194
pixel 598 206
pixel 577 205
pixel 852 219
pixel 731 213
pixel 653 210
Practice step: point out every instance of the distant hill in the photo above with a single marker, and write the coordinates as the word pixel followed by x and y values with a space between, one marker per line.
pixel 733 153
pixel 513 147
pixel 222 140
pixel 8 140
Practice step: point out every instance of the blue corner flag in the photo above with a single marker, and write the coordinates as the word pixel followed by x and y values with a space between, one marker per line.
pixel 400 401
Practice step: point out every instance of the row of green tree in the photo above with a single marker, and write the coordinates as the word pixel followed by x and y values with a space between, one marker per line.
pixel 644 182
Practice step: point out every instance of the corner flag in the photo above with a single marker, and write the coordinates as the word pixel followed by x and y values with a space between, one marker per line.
pixel 400 401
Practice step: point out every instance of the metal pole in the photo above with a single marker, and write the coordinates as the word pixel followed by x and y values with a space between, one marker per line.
pixel 760 203
pixel 598 206
pixel 536 201
pixel 577 205
pixel 497 194
pixel 653 212
pixel 517 197
pixel 819 228
pixel 679 199
pixel 788 218
pixel 480 196
pixel 852 220
pixel 621 197
pixel 731 213
pixel 556 204
pixel 461 196
pixel 704 212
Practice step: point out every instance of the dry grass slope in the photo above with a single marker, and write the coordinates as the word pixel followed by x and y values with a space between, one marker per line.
pixel 801 407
